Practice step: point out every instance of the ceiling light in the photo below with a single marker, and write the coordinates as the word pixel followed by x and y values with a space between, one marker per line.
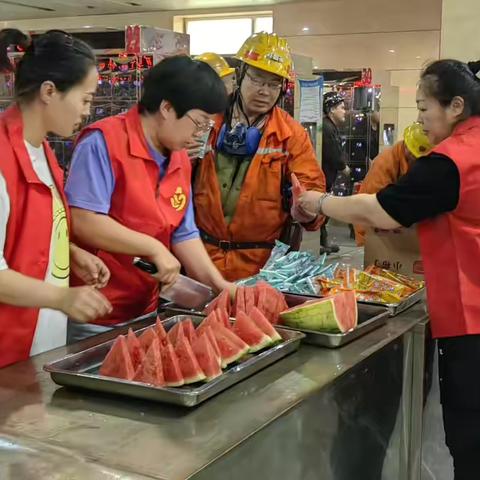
pixel 88 26
pixel 392 51
pixel 418 57
pixel 305 29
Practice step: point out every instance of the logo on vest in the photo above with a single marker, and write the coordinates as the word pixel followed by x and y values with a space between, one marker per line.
pixel 178 199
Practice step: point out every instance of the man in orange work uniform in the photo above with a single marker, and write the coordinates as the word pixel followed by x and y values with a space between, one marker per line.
pixel 241 186
pixel 392 164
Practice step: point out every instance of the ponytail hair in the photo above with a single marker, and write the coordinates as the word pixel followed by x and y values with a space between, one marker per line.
pixel 54 56
pixel 446 79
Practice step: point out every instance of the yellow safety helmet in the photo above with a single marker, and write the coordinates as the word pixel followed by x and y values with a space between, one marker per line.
pixel 218 63
pixel 268 52
pixel 416 141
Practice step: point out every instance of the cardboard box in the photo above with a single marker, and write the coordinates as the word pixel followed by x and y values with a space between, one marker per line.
pixel 396 250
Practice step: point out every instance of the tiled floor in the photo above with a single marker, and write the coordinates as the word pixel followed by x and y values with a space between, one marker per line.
pixel 436 464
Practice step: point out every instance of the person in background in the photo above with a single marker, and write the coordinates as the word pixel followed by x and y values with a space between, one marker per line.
pixel 55 82
pixel 130 183
pixel 393 163
pixel 223 69
pixel 242 185
pixel 441 193
pixel 333 155
pixel 196 147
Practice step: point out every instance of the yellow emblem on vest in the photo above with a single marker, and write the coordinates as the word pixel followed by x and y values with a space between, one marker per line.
pixel 178 199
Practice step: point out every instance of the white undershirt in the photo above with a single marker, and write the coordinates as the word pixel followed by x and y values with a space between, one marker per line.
pixel 51 330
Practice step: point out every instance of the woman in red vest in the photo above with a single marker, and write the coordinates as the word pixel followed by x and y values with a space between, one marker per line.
pixel 441 193
pixel 129 183
pixel 54 85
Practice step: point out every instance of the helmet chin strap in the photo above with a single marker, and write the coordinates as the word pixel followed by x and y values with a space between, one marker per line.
pixel 238 100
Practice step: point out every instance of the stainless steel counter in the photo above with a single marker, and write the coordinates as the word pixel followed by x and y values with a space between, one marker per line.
pixel 47 432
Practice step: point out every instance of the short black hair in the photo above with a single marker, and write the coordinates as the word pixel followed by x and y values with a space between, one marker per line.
pixel 446 79
pixel 186 83
pixel 54 56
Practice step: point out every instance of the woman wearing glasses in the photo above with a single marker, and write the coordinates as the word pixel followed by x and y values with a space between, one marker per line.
pixel 130 193
pixel 55 81
pixel 242 185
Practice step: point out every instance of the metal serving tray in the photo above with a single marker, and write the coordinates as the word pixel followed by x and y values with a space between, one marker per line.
pixel 405 304
pixel 370 317
pixel 393 308
pixel 81 370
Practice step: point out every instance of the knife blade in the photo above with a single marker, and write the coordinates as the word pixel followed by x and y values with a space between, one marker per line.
pixel 185 292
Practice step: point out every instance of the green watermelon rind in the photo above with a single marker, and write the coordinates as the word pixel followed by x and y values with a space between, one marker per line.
pixel 319 316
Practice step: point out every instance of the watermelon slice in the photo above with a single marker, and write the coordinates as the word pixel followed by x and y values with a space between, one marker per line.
pixel 117 363
pixel 264 325
pixel 335 314
pixel 260 297
pixel 223 318
pixel 135 349
pixel 146 338
pixel 240 300
pixel 210 321
pixel 160 329
pixel 189 330
pixel 151 369
pixel 224 302
pixel 189 366
pixel 213 342
pixel 249 294
pixel 229 351
pixel 206 357
pixel 171 368
pixel 297 189
pixel 246 329
pixel 175 332
pixel 237 341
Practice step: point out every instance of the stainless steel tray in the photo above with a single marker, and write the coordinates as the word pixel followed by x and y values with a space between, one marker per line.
pixel 81 370
pixel 370 317
pixel 393 308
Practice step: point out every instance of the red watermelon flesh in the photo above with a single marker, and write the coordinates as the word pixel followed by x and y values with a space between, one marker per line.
pixel 205 355
pixel 229 351
pixel 146 338
pixel 135 349
pixel 270 306
pixel 189 366
pixel 224 302
pixel 246 329
pixel 261 296
pixel 171 368
pixel 160 329
pixel 346 307
pixel 213 342
pixel 210 321
pixel 189 330
pixel 239 301
pixel 223 318
pixel 151 369
pixel 264 325
pixel 175 332
pixel 117 363
pixel 237 341
pixel 249 294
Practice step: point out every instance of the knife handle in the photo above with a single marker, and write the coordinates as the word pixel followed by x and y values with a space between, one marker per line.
pixel 148 267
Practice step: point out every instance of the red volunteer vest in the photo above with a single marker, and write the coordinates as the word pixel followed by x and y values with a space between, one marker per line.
pixel 29 230
pixel 142 203
pixel 450 243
